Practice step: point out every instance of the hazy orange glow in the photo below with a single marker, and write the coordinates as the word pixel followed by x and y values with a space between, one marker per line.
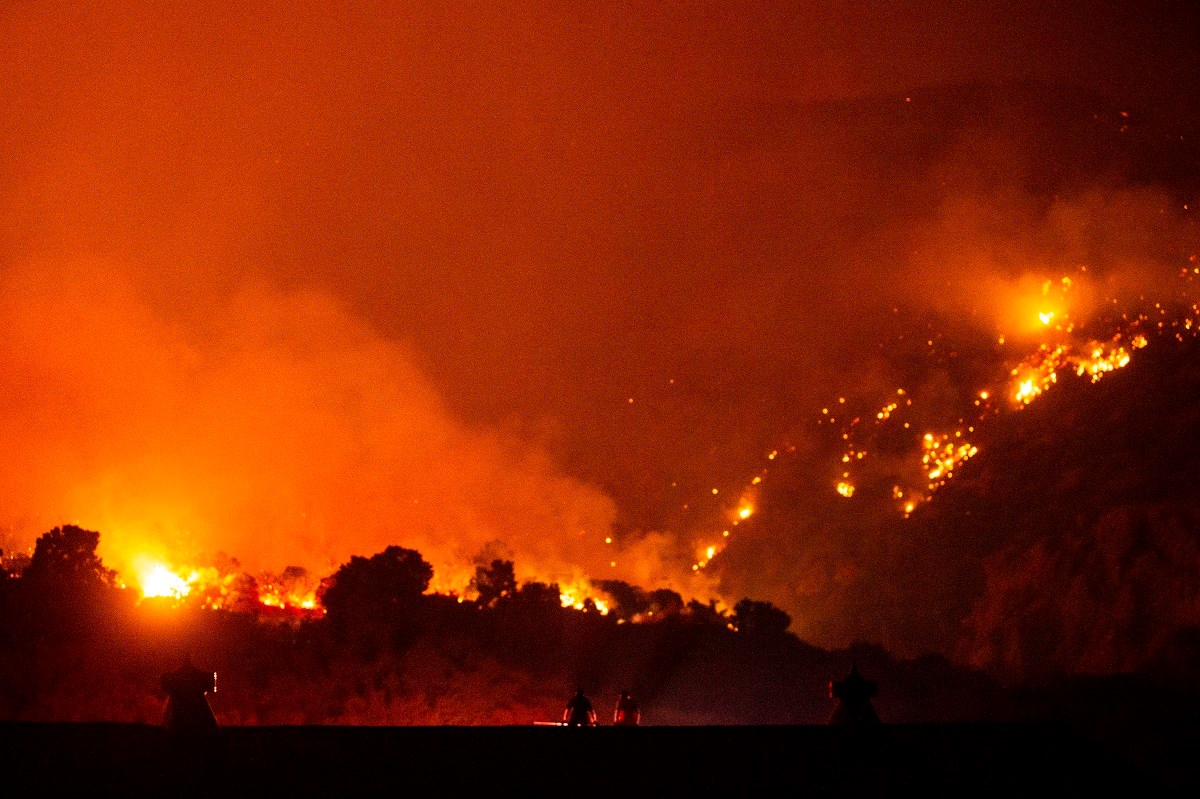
pixel 157 580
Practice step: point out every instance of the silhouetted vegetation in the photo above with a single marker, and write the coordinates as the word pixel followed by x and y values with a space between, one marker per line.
pixel 66 558
pixel 494 582
pixel 760 618
pixel 389 583
pixel 77 647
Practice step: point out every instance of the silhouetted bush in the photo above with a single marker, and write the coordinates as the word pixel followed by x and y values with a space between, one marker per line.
pixel 386 586
pixel 494 582
pixel 760 618
pixel 66 556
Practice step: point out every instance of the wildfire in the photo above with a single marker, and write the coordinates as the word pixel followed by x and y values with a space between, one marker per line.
pixel 917 455
pixel 294 592
pixel 1051 337
pixel 275 596
pixel 1040 371
pixel 210 588
pixel 1058 349
pixel 942 455
pixel 157 580
pixel 1037 373
pixel 579 595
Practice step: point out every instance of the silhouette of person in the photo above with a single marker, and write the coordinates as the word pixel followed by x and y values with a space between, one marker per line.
pixel 579 712
pixel 626 713
pixel 188 714
pixel 854 696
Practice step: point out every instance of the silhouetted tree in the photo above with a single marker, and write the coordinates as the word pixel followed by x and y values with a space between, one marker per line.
pixel 706 615
pixel 66 556
pixel 628 600
pixel 294 577
pixel 243 594
pixel 540 594
pixel 495 582
pixel 388 583
pixel 760 618
pixel 665 602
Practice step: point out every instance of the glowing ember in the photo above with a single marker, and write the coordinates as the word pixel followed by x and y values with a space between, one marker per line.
pixel 942 456
pixel 1037 374
pixel 273 597
pixel 211 588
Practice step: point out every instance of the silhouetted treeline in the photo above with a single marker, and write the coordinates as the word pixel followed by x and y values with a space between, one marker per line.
pixel 77 647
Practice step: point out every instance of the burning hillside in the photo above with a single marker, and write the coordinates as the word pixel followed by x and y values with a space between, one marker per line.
pixel 723 303
pixel 281 433
pixel 1067 543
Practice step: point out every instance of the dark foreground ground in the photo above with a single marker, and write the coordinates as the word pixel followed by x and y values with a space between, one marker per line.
pixel 900 760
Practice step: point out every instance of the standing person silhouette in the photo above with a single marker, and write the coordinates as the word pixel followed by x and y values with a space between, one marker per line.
pixel 195 752
pixel 188 715
pixel 626 714
pixel 854 696
pixel 579 711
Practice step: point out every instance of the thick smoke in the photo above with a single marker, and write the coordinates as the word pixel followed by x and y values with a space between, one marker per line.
pixel 284 432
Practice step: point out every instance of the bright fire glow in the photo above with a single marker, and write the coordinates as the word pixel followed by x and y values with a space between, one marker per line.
pixel 207 587
pixel 156 580
pixel 210 588
pixel 577 595
pixel 942 455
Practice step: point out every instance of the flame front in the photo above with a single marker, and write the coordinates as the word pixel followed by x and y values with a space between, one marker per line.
pixel 209 587
pixel 1043 318
pixel 157 580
